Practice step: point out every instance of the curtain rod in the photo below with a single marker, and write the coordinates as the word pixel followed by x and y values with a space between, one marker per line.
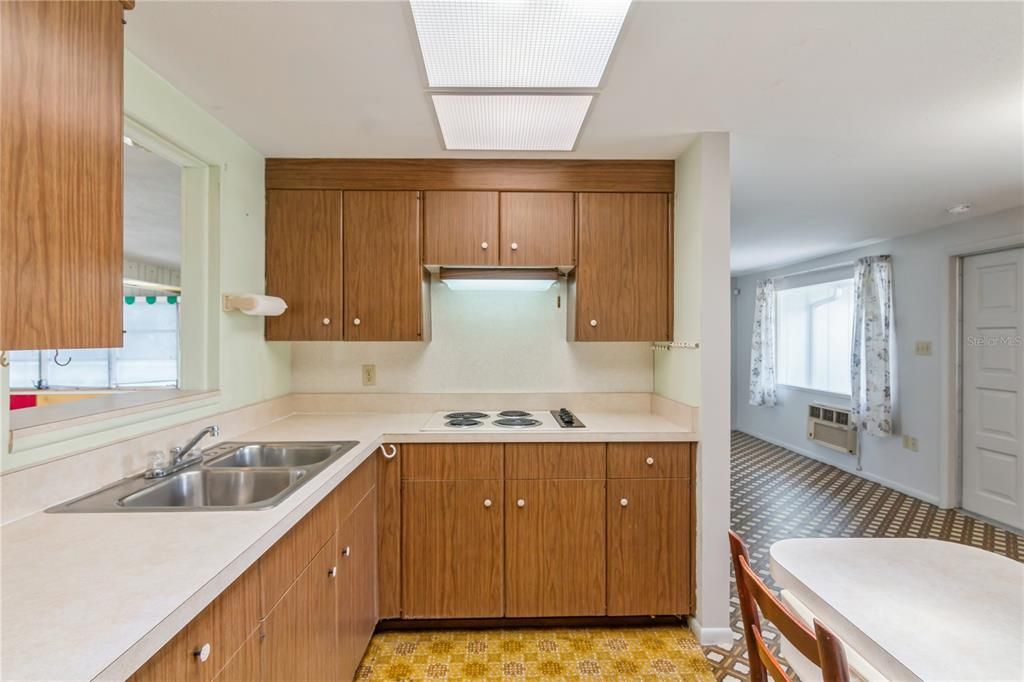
pixel 834 266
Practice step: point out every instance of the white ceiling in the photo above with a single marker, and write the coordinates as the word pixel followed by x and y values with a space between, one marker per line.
pixel 851 122
pixel 152 208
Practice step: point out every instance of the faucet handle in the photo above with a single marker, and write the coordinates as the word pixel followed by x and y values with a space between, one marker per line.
pixel 215 430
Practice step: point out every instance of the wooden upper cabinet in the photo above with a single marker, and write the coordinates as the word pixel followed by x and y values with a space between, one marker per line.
pixel 61 150
pixel 460 228
pixel 384 281
pixel 623 278
pixel 304 264
pixel 537 228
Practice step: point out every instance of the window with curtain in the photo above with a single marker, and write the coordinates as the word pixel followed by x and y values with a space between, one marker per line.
pixel 815 324
pixel 148 359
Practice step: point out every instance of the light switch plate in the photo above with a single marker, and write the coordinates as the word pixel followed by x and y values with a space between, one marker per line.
pixel 923 348
pixel 369 375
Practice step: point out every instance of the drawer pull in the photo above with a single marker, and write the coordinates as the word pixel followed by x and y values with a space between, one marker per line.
pixel 624 502
pixel 520 503
pixel 484 246
pixel 650 461
pixel 357 321
pixel 332 571
pixel 347 551
pixel 593 323
pixel 515 247
pixel 326 321
pixel 203 652
pixel 487 503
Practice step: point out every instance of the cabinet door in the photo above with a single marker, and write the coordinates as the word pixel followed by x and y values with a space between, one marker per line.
pixel 452 534
pixel 304 265
pixel 173 663
pixel 61 150
pixel 389 532
pixel 357 584
pixel 555 548
pixel 244 666
pixel 460 228
pixel 649 535
pixel 383 276
pixel 537 228
pixel 623 276
pixel 300 633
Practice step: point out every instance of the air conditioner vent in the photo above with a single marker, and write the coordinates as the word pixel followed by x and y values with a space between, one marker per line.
pixel 832 427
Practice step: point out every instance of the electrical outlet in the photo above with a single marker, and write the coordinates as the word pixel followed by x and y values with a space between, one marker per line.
pixel 909 443
pixel 369 375
pixel 923 348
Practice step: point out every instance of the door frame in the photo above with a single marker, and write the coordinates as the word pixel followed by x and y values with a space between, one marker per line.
pixel 951 475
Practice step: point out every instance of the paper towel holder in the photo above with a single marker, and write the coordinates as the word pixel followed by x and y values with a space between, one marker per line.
pixel 246 303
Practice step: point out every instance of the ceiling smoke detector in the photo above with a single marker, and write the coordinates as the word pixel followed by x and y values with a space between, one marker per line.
pixel 959 209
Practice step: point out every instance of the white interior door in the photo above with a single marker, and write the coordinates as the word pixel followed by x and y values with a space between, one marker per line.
pixel 993 386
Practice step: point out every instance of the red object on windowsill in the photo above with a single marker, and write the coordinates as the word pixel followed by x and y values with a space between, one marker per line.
pixel 19 402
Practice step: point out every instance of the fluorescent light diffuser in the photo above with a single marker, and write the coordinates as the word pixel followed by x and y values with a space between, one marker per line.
pixel 511 122
pixel 521 44
pixel 499 284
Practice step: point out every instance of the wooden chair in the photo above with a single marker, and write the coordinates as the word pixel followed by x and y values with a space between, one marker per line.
pixel 821 647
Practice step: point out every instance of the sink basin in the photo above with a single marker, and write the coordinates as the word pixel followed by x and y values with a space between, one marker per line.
pixel 275 455
pixel 223 488
pixel 233 477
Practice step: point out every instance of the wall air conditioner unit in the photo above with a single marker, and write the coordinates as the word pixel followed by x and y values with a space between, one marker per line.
pixel 832 427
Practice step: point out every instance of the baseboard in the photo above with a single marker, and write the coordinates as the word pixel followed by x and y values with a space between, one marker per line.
pixel 539 622
pixel 803 452
pixel 711 636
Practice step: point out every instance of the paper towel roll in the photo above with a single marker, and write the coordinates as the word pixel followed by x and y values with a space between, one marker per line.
pixel 256 304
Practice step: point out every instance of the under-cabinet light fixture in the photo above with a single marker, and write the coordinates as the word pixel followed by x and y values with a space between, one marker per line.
pixel 469 279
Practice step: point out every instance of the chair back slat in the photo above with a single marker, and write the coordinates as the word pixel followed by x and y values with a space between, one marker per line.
pixel 748 608
pixel 777 614
pixel 833 657
pixel 768 660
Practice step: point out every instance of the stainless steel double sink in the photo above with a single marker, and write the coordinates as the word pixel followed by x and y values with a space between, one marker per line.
pixel 232 476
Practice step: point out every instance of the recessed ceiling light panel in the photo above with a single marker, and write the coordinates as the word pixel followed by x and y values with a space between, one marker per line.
pixel 522 44
pixel 511 122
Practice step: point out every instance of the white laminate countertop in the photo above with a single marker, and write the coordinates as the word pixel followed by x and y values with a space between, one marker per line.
pixel 915 609
pixel 86 596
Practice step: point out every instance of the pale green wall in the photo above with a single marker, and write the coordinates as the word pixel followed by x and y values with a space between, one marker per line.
pixel 243 366
pixel 677 372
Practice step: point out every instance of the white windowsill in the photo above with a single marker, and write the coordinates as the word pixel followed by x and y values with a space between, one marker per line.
pixel 844 398
pixel 40 420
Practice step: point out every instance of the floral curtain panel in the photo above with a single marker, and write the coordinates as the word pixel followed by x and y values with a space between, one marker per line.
pixel 762 346
pixel 871 352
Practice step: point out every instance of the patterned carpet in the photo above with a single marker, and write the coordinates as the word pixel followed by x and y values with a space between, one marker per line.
pixel 777 494
pixel 650 653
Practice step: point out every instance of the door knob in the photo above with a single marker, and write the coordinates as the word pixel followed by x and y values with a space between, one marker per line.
pixel 520 503
pixel 593 323
pixel 357 322
pixel 326 321
pixel 515 247
pixel 484 246
pixel 650 461
pixel 487 503
pixel 624 502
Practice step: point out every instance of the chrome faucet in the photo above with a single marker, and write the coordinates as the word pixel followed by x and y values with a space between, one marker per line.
pixel 184 457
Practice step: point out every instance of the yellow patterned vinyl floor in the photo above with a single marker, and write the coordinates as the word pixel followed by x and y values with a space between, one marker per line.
pixel 647 653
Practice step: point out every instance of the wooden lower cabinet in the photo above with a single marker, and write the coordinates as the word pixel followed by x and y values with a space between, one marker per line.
pixel 649 547
pixel 246 665
pixel 357 584
pixel 452 538
pixel 555 548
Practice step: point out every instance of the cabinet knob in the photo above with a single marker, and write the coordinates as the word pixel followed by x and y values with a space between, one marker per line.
pixel 332 571
pixel 488 503
pixel 515 247
pixel 326 321
pixel 624 502
pixel 520 503
pixel 346 551
pixel 593 323
pixel 357 321
pixel 650 461
pixel 203 652
pixel 484 246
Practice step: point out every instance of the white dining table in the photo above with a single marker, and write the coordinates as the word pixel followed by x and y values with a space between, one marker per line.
pixel 914 609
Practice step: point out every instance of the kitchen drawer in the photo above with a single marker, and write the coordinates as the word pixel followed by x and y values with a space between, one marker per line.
pixel 649 460
pixel 290 555
pixel 353 489
pixel 554 460
pixel 452 461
